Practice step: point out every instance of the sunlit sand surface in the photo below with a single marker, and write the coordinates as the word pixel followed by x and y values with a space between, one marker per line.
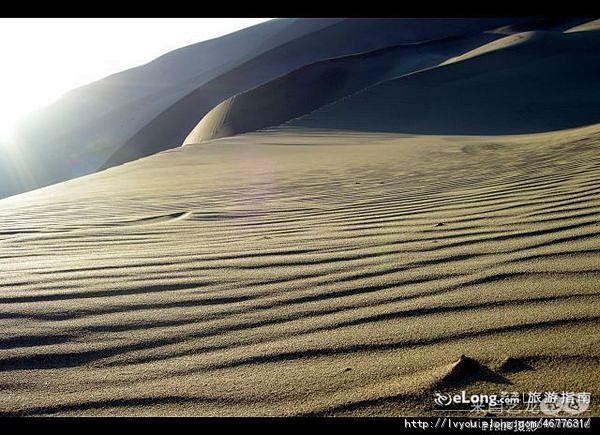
pixel 305 272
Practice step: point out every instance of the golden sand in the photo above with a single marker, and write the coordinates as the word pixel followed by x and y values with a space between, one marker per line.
pixel 303 272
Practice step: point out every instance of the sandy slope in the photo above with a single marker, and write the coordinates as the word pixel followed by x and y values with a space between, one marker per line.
pixel 321 83
pixel 348 36
pixel 303 271
pixel 539 81
pixel 483 83
pixel 88 124
pixel 153 107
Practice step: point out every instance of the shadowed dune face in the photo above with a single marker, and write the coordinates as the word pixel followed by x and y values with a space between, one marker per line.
pixel 559 24
pixel 542 82
pixel 305 272
pixel 153 107
pixel 318 84
pixel 585 26
pixel 486 83
pixel 350 36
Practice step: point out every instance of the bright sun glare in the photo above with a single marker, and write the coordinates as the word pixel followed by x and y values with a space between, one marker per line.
pixel 44 58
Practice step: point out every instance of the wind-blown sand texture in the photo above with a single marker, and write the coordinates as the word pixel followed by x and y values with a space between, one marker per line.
pixel 303 272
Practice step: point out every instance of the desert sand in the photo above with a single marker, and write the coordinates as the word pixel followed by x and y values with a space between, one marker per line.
pixel 304 272
pixel 521 83
pixel 153 107
pixel 331 227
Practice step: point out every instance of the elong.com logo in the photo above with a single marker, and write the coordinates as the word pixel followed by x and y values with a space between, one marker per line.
pixel 474 400
pixel 548 403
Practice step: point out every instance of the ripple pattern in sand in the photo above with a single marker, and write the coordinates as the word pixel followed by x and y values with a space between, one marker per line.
pixel 268 275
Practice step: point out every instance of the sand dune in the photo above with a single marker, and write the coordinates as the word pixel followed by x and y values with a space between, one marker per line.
pixel 408 212
pixel 153 107
pixel 321 83
pixel 350 36
pixel 585 26
pixel 78 133
pixel 542 82
pixel 305 272
pixel 548 23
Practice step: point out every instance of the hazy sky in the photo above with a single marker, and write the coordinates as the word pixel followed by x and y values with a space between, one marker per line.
pixel 43 58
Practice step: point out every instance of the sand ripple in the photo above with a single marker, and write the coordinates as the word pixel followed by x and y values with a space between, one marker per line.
pixel 267 275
